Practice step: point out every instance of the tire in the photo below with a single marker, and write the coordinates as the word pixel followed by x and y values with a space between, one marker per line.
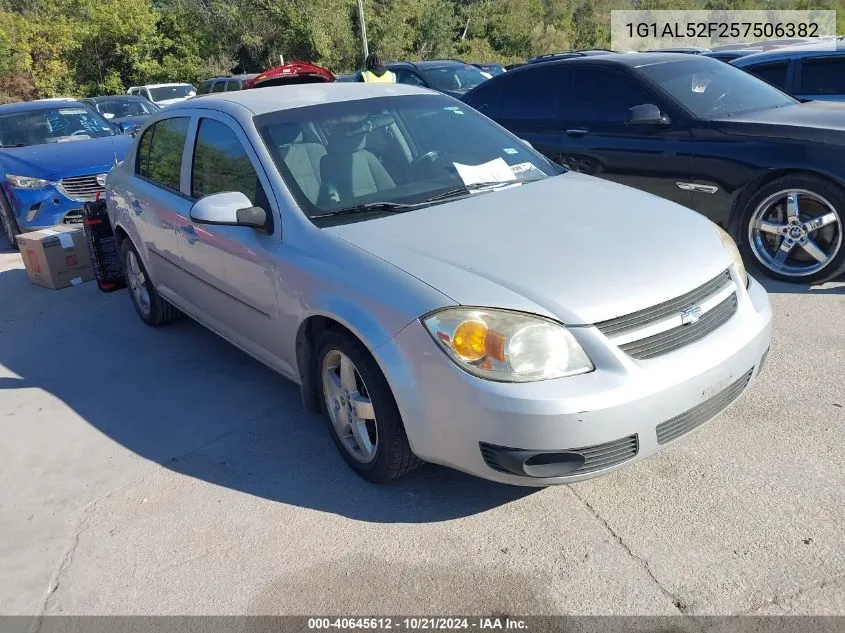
pixel 805 248
pixel 391 456
pixel 8 223
pixel 150 306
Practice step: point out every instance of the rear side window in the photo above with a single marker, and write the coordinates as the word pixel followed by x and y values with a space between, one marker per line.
pixel 222 164
pixel 219 86
pixel 823 76
pixel 599 94
pixel 160 152
pixel 532 94
pixel 774 73
pixel 233 84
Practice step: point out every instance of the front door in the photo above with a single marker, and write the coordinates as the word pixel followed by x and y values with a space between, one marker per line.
pixel 232 266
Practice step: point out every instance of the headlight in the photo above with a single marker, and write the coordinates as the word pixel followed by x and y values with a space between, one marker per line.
pixel 507 346
pixel 26 182
pixel 730 246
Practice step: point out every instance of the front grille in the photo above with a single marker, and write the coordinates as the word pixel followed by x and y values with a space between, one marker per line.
pixel 73 217
pixel 81 188
pixel 635 320
pixel 596 457
pixel 677 337
pixel 701 413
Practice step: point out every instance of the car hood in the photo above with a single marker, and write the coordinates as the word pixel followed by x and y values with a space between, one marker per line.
pixel 53 161
pixel 571 247
pixel 819 121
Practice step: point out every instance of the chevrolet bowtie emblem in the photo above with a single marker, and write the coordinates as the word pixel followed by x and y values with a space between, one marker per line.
pixel 690 315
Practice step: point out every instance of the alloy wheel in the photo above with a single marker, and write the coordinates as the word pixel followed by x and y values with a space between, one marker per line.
pixel 795 232
pixel 137 282
pixel 349 406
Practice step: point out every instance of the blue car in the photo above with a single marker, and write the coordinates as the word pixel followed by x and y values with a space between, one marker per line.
pixel 54 155
pixel 810 72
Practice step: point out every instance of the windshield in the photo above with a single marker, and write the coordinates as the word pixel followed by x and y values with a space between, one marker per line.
pixel 712 89
pixel 164 93
pixel 121 108
pixel 453 78
pixel 54 125
pixel 402 150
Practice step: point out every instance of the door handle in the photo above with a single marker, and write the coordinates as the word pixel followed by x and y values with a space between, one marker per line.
pixel 136 206
pixel 189 234
pixel 577 131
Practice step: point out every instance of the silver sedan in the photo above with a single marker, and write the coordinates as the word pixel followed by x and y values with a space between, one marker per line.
pixel 440 291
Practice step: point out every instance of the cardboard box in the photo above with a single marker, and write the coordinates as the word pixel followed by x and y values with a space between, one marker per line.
pixel 57 257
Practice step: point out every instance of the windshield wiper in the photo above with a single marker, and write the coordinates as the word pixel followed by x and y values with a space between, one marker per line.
pixel 367 207
pixel 479 186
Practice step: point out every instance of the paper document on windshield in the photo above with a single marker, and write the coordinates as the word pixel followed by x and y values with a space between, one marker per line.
pixel 496 170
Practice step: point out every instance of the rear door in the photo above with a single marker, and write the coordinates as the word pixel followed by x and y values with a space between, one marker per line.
pixel 232 267
pixel 155 199
pixel 597 139
pixel 821 78
pixel 777 73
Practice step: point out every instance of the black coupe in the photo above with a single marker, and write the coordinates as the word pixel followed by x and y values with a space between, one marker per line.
pixel 699 132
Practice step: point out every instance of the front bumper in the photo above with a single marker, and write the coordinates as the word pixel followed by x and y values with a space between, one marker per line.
pixel 41 208
pixel 626 407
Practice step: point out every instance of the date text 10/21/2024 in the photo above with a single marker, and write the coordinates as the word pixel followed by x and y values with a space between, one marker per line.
pixel 419 623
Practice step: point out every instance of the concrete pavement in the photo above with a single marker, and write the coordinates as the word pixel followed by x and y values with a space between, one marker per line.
pixel 162 471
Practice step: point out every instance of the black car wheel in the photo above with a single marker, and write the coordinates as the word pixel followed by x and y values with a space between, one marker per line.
pixel 9 223
pixel 792 229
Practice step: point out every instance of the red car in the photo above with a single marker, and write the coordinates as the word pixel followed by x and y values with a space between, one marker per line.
pixel 292 73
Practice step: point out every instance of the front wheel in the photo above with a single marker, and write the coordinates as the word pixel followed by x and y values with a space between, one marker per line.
pixel 9 223
pixel 362 414
pixel 793 229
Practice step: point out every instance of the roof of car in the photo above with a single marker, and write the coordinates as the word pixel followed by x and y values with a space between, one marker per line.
pixel 833 47
pixel 633 60
pixel 23 106
pixel 274 98
pixel 161 85
pixel 113 97
pixel 430 63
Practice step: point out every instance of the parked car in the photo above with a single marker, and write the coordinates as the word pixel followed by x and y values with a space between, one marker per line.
pixel 164 94
pixel 389 249
pixel 291 74
pixel 130 110
pixel 226 83
pixel 53 157
pixel 693 130
pixel 451 77
pixel 491 69
pixel 729 55
pixel 808 71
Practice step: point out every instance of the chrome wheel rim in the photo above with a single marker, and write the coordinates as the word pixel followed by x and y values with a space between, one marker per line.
pixel 795 232
pixel 137 282
pixel 349 406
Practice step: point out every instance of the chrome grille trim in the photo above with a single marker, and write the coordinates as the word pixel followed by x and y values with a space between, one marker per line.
pixel 630 322
pixel 689 420
pixel 682 335
pixel 81 188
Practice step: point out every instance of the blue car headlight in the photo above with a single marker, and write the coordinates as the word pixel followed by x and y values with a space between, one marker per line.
pixel 26 182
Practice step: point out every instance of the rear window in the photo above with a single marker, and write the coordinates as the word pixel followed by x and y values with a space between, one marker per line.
pixel 823 76
pixel 160 152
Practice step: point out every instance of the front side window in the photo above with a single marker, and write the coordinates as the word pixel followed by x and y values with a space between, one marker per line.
pixel 823 76
pixel 774 73
pixel 221 163
pixel 531 94
pixel 599 94
pixel 160 152
pixel 181 91
pixel 710 89
pixel 404 150
pixel 54 125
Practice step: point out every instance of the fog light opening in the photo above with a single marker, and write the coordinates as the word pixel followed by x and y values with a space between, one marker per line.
pixel 33 211
pixel 552 464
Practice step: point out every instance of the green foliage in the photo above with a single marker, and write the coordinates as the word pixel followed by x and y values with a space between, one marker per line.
pixel 85 47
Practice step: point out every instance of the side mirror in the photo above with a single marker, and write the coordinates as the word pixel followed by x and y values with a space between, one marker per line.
pixel 230 208
pixel 127 127
pixel 647 114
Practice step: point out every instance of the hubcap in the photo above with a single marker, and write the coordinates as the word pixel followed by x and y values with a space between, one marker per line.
pixel 795 232
pixel 349 406
pixel 137 283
